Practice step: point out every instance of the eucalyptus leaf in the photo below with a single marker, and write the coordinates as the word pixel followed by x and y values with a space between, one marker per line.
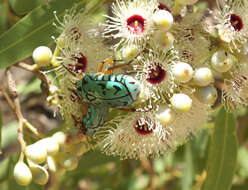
pixel 188 175
pixel 33 30
pixel 21 7
pixel 3 18
pixel 4 168
pixel 9 133
pixel 222 153
pixel 1 125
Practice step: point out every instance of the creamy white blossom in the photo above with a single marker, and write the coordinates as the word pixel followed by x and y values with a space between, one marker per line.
pixel 132 21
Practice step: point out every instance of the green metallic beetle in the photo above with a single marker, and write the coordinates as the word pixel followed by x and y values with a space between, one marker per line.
pixel 102 92
pixel 108 90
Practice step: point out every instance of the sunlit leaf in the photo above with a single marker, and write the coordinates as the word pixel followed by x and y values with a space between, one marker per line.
pixel 222 153
pixel 1 125
pixel 242 162
pixel 21 7
pixel 3 18
pixel 9 133
pixel 33 30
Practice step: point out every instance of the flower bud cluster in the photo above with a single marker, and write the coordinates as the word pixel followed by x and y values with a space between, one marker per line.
pixel 56 154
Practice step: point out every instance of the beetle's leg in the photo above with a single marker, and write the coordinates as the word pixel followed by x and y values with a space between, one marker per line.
pixel 76 120
pixel 71 72
pixel 74 95
pixel 84 108
pixel 127 109
pixel 110 69
pixel 100 66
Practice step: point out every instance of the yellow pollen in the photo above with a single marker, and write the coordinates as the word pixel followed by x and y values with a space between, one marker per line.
pixel 235 22
pixel 136 23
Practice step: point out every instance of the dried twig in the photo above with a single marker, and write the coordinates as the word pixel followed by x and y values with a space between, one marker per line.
pixel 16 107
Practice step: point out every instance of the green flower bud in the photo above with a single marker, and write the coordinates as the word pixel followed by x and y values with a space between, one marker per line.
pixel 51 145
pixel 77 149
pixel 42 56
pixel 182 72
pixel 36 153
pixel 67 161
pixel 39 173
pixel 52 164
pixel 222 61
pixel 203 76
pixel 60 137
pixel 165 40
pixel 181 102
pixel 130 52
pixel 207 95
pixel 22 174
pixel 163 19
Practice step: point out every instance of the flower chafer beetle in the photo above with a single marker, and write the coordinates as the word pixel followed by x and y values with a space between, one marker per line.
pixel 102 91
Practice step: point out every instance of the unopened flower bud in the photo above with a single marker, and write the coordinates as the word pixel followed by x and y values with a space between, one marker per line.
pixel 163 19
pixel 52 164
pixel 164 115
pixel 222 61
pixel 164 40
pixel 60 137
pixel 68 161
pixel 42 56
pixel 224 36
pixel 207 95
pixel 51 145
pixel 182 72
pixel 22 174
pixel 181 102
pixel 130 52
pixel 77 149
pixel 203 76
pixel 36 153
pixel 187 2
pixel 39 173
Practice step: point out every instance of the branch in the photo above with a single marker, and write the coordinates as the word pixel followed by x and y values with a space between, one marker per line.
pixel 35 70
pixel 148 167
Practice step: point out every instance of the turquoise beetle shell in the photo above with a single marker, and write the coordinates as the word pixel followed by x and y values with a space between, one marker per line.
pixel 95 118
pixel 108 90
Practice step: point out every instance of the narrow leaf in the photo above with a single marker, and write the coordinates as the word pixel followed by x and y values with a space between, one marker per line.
pixel 1 125
pixel 188 175
pixel 222 153
pixel 3 18
pixel 33 30
pixel 21 7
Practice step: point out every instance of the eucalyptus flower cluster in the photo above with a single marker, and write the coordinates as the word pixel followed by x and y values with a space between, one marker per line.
pixel 185 60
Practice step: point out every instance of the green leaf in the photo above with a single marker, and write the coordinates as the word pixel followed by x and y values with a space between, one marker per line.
pixel 222 153
pixel 4 168
pixel 242 162
pixel 33 30
pixel 188 175
pixel 3 18
pixel 1 125
pixel 9 134
pixel 21 7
